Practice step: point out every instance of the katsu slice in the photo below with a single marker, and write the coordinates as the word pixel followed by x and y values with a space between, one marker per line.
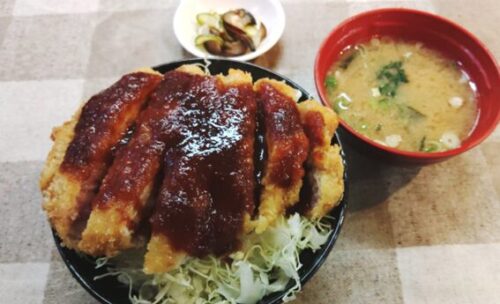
pixel 207 193
pixel 123 199
pixel 183 206
pixel 83 150
pixel 287 147
pixel 324 181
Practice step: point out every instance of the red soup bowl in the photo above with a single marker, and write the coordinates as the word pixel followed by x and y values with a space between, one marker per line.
pixel 437 33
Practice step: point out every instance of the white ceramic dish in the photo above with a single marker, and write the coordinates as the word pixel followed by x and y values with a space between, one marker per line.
pixel 270 12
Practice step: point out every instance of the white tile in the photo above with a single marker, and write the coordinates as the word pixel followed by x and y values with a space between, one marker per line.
pixel 450 274
pixel 30 109
pixel 131 5
pixel 46 7
pixel 6 7
pixel 23 283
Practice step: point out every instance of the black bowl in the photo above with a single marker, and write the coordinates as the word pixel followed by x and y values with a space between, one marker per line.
pixel 109 291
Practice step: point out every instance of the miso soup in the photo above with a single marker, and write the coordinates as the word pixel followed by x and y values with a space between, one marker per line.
pixel 403 95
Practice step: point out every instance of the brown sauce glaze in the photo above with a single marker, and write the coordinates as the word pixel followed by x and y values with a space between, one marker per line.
pixel 285 139
pixel 314 126
pixel 103 121
pixel 133 170
pixel 208 182
pixel 137 164
pixel 123 141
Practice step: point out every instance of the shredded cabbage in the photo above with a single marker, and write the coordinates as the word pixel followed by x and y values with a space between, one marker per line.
pixel 266 263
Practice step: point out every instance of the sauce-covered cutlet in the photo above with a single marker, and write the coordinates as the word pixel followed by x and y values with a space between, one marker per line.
pixel 324 183
pixel 82 151
pixel 286 146
pixel 207 190
pixel 123 198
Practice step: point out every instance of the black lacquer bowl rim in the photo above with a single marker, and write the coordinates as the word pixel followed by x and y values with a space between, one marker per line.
pixel 109 291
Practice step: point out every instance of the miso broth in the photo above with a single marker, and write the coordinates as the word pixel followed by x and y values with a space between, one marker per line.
pixel 403 95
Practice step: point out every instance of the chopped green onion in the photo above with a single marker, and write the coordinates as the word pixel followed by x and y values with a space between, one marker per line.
pixel 341 103
pixel 429 146
pixel 390 77
pixel 432 147
pixel 330 83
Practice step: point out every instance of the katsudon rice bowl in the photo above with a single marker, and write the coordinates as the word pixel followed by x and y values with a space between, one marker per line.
pixel 201 193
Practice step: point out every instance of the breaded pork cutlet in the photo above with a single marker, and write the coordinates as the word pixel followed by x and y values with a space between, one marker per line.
pixel 82 151
pixel 286 146
pixel 207 192
pixel 161 255
pixel 324 164
pixel 123 197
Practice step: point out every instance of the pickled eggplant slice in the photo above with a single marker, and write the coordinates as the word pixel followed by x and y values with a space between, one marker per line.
pixel 221 33
pixel 240 34
pixel 234 48
pixel 233 33
pixel 238 18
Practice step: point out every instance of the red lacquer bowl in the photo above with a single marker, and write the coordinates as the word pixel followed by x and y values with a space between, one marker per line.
pixel 435 32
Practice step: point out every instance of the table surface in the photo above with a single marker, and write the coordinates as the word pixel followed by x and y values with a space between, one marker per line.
pixel 411 235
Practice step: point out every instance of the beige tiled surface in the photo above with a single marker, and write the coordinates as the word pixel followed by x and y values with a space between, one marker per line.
pixel 356 276
pixel 133 5
pixel 49 7
pixel 411 235
pixel 25 231
pixel 141 39
pixel 6 7
pixel 35 125
pixel 23 282
pixel 46 47
pixel 61 287
pixel 451 203
pixel 4 24
pixel 450 273
pixel 490 151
